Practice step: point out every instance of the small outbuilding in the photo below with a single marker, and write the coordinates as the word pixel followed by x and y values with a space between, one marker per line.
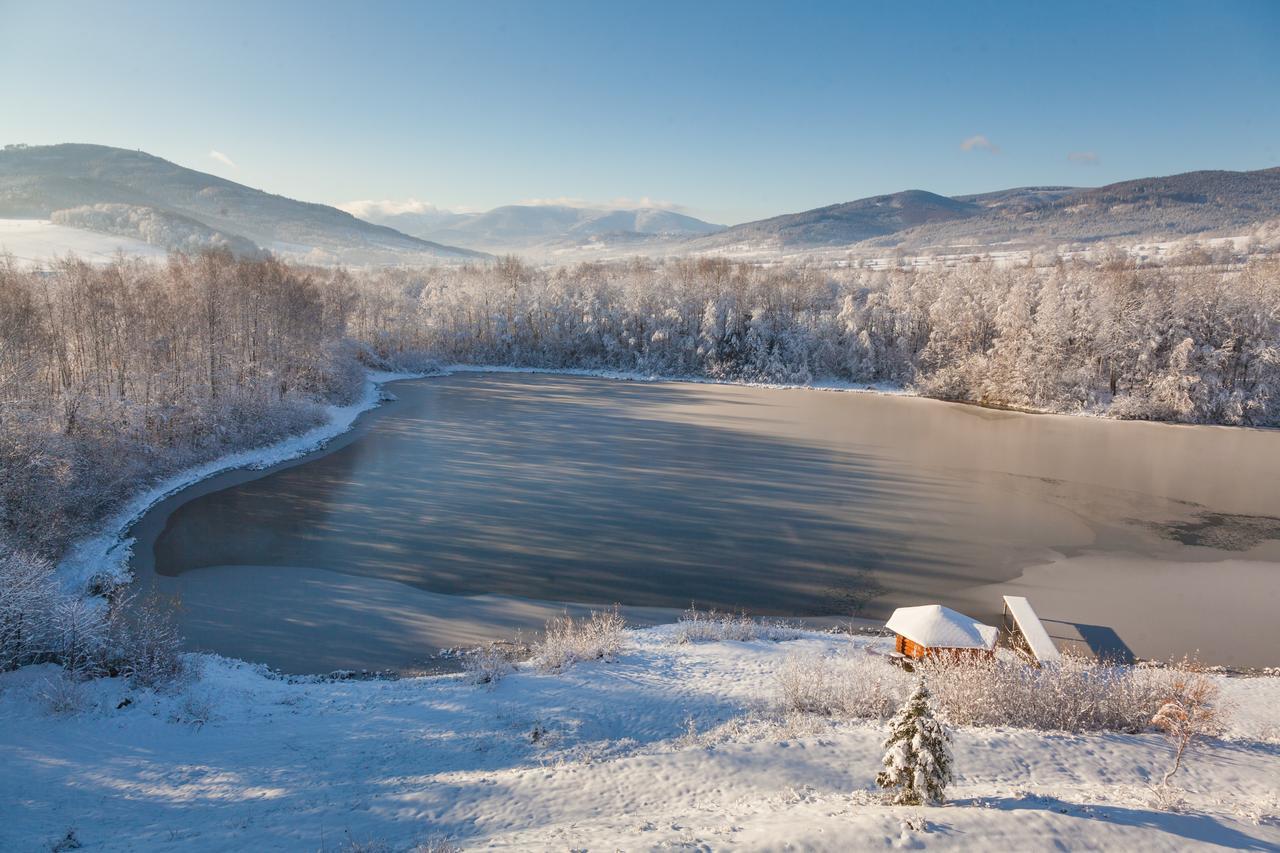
pixel 931 630
pixel 1025 628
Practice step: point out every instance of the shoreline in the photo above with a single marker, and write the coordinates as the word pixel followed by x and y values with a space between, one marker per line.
pixel 108 551
pixel 112 551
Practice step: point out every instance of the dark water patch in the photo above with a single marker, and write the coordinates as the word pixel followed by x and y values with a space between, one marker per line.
pixel 1222 531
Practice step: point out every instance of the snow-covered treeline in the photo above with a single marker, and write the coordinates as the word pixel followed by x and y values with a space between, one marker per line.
pixel 151 225
pixel 1199 344
pixel 111 376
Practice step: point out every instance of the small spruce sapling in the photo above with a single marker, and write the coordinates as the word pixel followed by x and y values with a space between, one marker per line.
pixel 917 757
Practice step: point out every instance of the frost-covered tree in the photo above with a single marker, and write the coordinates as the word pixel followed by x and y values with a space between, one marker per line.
pixel 917 759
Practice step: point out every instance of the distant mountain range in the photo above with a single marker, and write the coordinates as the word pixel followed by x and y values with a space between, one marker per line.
pixel 545 228
pixel 1149 208
pixel 132 194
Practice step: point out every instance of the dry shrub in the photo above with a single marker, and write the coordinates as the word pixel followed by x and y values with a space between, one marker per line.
pixel 196 709
pixel 849 685
pixel 702 626
pixel 1189 711
pixel 64 695
pixel 435 844
pixel 1075 695
pixel 150 646
pixel 487 665
pixel 568 640
pixel 88 636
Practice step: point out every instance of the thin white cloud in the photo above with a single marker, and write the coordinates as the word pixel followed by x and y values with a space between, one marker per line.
pixel 388 207
pixel 223 159
pixel 979 142
pixel 1085 158
pixel 367 208
pixel 619 203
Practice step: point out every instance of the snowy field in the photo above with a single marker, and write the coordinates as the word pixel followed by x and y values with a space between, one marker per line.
pixel 36 242
pixel 667 746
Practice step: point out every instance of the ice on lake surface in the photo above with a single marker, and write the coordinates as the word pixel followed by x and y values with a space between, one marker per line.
pixel 479 504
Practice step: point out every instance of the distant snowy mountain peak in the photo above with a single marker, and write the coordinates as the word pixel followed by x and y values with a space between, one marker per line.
pixel 546 227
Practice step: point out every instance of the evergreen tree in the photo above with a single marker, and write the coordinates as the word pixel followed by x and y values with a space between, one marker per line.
pixel 917 757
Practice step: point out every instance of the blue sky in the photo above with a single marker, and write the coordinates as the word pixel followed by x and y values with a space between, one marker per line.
pixel 732 111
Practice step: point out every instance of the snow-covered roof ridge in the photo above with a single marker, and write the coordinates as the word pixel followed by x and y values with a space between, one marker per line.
pixel 935 626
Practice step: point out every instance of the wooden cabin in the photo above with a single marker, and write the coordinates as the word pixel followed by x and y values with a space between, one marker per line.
pixel 932 630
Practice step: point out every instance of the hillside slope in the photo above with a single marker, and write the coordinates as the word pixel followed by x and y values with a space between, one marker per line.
pixel 529 227
pixel 1151 208
pixel 667 746
pixel 850 222
pixel 40 181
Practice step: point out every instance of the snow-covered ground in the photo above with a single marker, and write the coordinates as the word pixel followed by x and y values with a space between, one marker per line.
pixel 36 242
pixel 666 747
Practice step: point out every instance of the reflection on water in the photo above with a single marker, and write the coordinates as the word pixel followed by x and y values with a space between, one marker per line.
pixel 572 489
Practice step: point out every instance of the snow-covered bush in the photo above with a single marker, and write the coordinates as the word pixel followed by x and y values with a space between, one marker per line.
pixel 28 595
pixel 195 709
pixel 855 685
pixel 149 646
pixel 487 665
pixel 64 695
pixel 701 626
pixel 568 640
pixel 88 636
pixel 1078 694
pixel 917 760
pixel 82 630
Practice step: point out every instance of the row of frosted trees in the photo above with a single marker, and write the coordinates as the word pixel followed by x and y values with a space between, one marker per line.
pixel 111 375
pixel 1193 343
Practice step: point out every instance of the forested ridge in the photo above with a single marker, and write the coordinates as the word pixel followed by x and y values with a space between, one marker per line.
pixel 113 375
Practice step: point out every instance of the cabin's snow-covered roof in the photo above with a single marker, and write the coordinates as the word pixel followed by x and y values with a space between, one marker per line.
pixel 938 627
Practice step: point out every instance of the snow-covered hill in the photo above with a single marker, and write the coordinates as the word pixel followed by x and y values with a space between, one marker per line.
pixel 541 228
pixel 45 182
pixel 1217 203
pixel 668 746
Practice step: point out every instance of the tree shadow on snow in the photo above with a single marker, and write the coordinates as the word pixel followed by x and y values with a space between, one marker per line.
pixel 1200 828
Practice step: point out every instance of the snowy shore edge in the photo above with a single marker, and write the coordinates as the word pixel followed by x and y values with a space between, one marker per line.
pixel 106 553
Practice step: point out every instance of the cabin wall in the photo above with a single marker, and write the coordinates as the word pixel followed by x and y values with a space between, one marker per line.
pixel 915 651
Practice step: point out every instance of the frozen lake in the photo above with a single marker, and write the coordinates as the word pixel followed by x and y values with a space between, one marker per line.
pixel 479 504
